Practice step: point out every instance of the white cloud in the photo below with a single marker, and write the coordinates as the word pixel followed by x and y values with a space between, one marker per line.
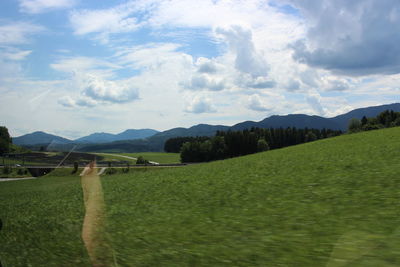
pixel 152 56
pixel 40 6
pixel 255 103
pixel 205 65
pixel 200 104
pixel 79 64
pixel 351 37
pixel 14 54
pixel 314 100
pixel 205 82
pixel 109 91
pixel 18 32
pixel 66 101
pixel 103 22
pixel 247 59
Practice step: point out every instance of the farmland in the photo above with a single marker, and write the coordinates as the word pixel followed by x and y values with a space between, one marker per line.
pixel 331 202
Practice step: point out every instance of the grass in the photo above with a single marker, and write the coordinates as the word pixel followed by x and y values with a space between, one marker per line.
pixel 114 158
pixel 160 157
pixel 332 202
pixel 16 172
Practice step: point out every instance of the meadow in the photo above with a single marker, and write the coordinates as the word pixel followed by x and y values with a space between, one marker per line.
pixel 332 202
pixel 159 157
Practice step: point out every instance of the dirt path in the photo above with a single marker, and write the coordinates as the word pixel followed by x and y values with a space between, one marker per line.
pixel 16 179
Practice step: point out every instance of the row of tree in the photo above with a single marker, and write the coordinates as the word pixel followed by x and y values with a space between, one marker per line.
pixel 385 119
pixel 173 145
pixel 238 143
pixel 5 140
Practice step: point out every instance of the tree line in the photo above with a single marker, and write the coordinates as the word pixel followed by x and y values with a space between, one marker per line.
pixel 228 144
pixel 385 119
pixel 5 140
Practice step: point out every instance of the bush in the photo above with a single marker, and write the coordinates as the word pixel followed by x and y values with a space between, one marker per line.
pixel 76 165
pixel 262 145
pixel 141 160
pixel 111 171
pixel 354 125
pixel 310 136
pixel 126 170
pixel 20 172
pixel 7 169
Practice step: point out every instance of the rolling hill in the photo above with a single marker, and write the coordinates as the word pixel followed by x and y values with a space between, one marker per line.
pixel 130 134
pixel 36 138
pixel 332 202
pixel 151 140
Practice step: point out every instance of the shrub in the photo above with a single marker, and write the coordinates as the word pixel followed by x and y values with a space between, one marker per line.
pixel 126 170
pixel 76 165
pixel 7 169
pixel 354 125
pixel 310 136
pixel 111 171
pixel 20 172
pixel 262 145
pixel 141 160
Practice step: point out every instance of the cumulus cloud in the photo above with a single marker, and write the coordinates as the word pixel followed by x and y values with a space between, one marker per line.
pixel 205 65
pixel 95 90
pixel 66 101
pixel 255 103
pixel 40 6
pixel 200 104
pixel 351 37
pixel 293 85
pixel 17 32
pixel 247 60
pixel 109 91
pixel 205 82
pixel 314 100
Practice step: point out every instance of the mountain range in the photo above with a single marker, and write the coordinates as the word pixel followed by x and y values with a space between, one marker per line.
pixel 36 138
pixel 151 140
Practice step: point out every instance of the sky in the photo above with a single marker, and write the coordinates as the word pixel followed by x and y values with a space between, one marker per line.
pixel 74 67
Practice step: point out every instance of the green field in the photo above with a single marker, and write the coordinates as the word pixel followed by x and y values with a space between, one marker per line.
pixel 160 157
pixel 333 202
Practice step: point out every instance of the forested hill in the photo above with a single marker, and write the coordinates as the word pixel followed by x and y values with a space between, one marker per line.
pixel 156 141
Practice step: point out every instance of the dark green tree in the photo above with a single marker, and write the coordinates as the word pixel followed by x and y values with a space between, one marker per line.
pixel 5 140
pixel 354 125
pixel 262 145
pixel 310 136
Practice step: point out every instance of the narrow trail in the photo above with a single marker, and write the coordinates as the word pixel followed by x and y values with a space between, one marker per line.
pixel 102 170
pixel 16 179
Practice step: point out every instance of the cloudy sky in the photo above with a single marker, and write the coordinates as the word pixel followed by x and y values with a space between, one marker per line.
pixel 74 67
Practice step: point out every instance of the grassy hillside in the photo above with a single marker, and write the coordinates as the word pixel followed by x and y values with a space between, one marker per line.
pixel 160 157
pixel 333 202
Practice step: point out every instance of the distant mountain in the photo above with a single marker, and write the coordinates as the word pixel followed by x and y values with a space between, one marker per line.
pixel 155 142
pixel 292 120
pixel 126 135
pixel 40 138
pixel 301 121
pixel 136 134
pixel 343 120
pixel 151 140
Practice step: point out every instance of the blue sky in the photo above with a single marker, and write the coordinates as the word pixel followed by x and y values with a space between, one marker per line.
pixel 74 67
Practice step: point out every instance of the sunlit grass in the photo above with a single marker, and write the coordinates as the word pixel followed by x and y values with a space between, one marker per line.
pixel 160 157
pixel 331 202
